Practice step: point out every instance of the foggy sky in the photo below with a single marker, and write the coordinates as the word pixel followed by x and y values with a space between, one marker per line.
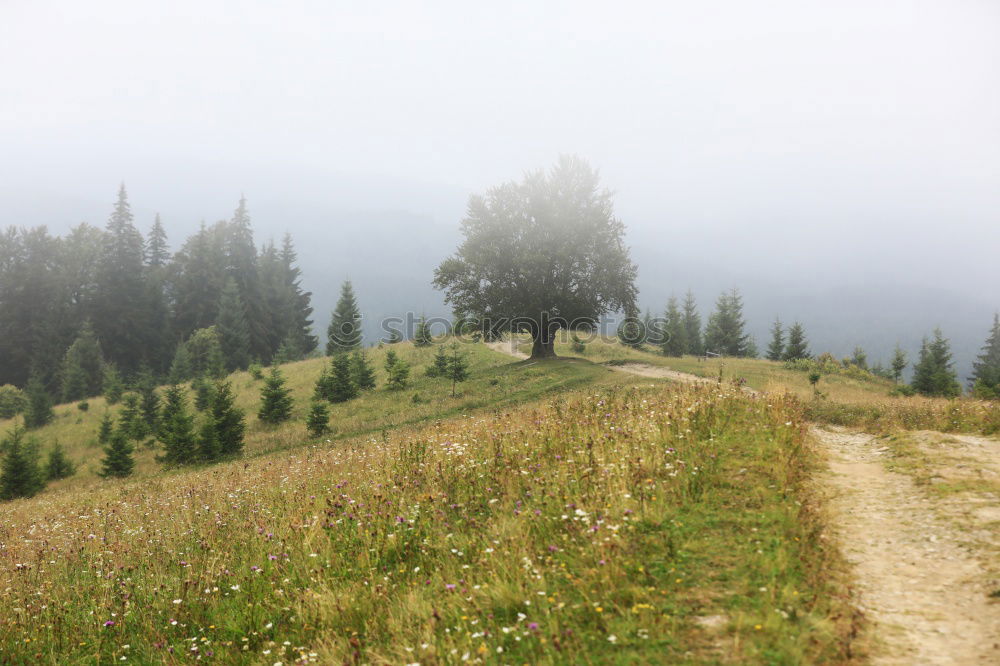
pixel 834 143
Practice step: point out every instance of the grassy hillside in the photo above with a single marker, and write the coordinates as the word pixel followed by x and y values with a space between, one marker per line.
pixel 494 381
pixel 659 523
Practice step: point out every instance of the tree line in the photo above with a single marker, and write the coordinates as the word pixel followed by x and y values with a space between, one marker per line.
pixel 76 308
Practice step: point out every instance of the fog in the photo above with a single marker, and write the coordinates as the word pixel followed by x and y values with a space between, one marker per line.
pixel 838 161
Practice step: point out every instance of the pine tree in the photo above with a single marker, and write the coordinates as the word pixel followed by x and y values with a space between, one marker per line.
pixel 344 331
pixel 19 473
pixel 439 368
pixel 38 411
pixel 296 301
pixel 798 346
pixel 362 372
pixel 233 330
pixel 318 421
pixel 130 422
pixel 398 371
pixel 276 399
pixel 422 335
pixel 82 367
pixel 933 374
pixel 692 325
pixel 114 387
pixel 341 383
pixel 117 460
pixel 58 465
pixel 227 421
pixel 725 334
pixel 106 429
pixel 899 363
pixel 675 339
pixel 776 349
pixel 177 429
pixel 458 368
pixel 157 254
pixel 986 368
pixel 181 368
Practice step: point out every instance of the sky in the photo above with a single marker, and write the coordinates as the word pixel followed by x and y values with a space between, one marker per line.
pixel 841 144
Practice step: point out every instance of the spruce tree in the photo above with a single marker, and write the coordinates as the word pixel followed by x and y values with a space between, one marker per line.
pixel 398 371
pixel 114 387
pixel 227 421
pixel 675 339
pixel 362 372
pixel 233 330
pixel 12 401
pixel 204 393
pixel 117 460
pixel 205 350
pixel 458 368
pixel 324 387
pixel 341 383
pixel 149 401
pixel 296 301
pixel 692 325
pixel 180 446
pixel 19 473
pixel 344 331
pixel 208 448
pixel 130 421
pixel 725 334
pixel 899 363
pixel 798 346
pixel 318 421
pixel 422 335
pixel 439 368
pixel 933 374
pixel 181 368
pixel 276 399
pixel 106 429
pixel 776 349
pixel 58 466
pixel 242 266
pixel 157 253
pixel 82 367
pixel 986 368
pixel 38 411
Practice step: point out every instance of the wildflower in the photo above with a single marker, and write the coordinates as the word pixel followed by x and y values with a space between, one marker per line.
pixel 177 601
pixel 109 623
pixel 612 638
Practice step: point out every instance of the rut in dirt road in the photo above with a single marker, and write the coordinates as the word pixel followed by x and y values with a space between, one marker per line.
pixel 920 583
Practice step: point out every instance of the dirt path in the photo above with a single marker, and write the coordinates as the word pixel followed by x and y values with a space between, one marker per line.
pixel 923 579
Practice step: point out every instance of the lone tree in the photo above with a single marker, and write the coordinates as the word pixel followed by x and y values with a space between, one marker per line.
pixel 899 363
pixel 58 466
pixel 776 349
pixel 177 429
pixel 933 374
pixel 118 461
pixel 318 421
pixel 798 346
pixel 542 254
pixel 458 368
pixel 276 399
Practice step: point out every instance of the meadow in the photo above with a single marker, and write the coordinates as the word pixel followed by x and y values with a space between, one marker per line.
pixel 641 523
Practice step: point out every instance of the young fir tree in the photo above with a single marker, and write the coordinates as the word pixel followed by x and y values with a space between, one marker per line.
pixel 181 368
pixel 180 444
pixel 324 388
pixel 859 358
pixel 114 387
pixel 675 337
pixel 204 393
pixel 106 429
pixel 439 368
pixel 19 473
pixel 341 383
pixel 130 422
pixel 458 368
pixel 149 401
pixel 233 329
pixel 798 346
pixel 344 331
pixel 692 325
pixel 206 354
pixel 933 374
pixel 118 461
pixel 207 442
pixel 318 421
pixel 986 368
pixel 776 348
pixel 422 335
pixel 725 333
pixel 38 411
pixel 82 367
pixel 362 372
pixel 276 399
pixel 227 421
pixel 898 364
pixel 58 466
pixel 398 371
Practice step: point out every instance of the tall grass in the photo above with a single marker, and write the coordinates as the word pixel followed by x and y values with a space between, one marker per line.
pixel 603 526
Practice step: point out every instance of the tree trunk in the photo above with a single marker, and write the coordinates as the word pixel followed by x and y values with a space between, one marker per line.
pixel 542 344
